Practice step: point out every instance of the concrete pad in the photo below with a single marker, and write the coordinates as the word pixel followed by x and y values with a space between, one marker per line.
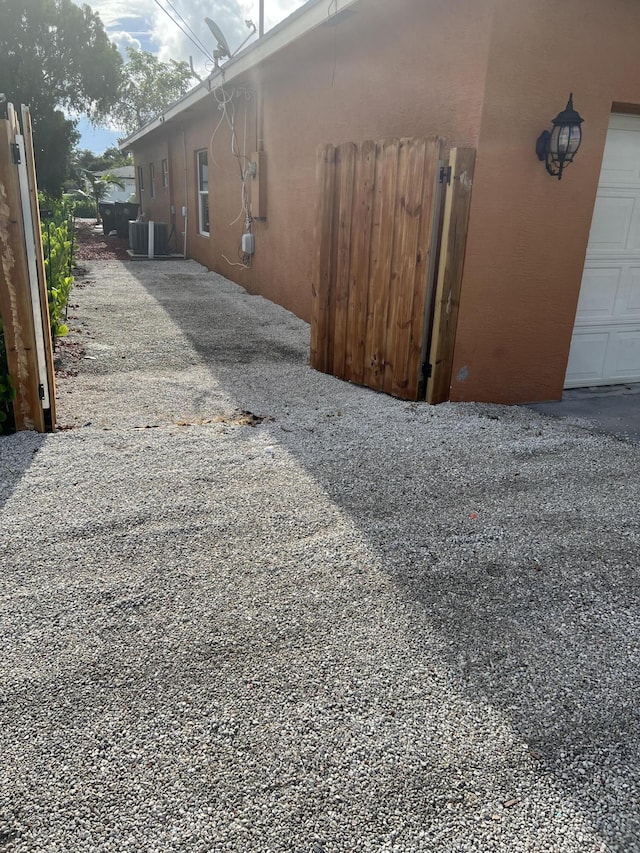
pixel 610 409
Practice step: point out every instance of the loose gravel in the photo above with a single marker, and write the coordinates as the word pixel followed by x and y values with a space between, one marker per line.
pixel 249 607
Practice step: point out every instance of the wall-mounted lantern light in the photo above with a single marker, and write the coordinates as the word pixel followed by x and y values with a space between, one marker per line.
pixel 558 147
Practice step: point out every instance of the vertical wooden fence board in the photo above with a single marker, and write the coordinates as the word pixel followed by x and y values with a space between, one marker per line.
pixel 424 268
pixel 15 295
pixel 377 228
pixel 346 156
pixel 333 273
pixel 396 315
pixel 381 261
pixel 404 385
pixel 42 283
pixel 365 172
pixel 322 284
pixel 456 220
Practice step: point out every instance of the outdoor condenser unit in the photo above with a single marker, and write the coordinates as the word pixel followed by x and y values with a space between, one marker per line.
pixel 149 238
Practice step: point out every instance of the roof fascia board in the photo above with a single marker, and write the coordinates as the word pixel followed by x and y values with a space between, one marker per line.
pixel 298 24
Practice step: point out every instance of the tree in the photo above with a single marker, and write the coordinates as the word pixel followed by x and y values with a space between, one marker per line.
pixel 55 56
pixel 97 188
pixel 111 158
pixel 149 87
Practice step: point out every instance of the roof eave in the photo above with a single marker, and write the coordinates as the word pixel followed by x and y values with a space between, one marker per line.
pixel 313 14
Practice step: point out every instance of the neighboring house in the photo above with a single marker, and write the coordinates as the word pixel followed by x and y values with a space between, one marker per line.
pixel 490 74
pixel 128 177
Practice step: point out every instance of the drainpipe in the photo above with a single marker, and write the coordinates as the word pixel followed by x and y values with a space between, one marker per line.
pixel 259 94
pixel 185 209
pixel 259 115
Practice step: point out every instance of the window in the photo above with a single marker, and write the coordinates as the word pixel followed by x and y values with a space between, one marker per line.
pixel 152 179
pixel 141 179
pixel 203 192
pixel 165 173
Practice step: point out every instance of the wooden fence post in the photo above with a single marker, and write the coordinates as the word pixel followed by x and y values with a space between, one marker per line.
pixel 15 294
pixel 447 301
pixel 27 130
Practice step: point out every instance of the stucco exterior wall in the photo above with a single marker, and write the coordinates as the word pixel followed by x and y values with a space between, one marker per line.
pixel 417 72
pixel 528 232
pixel 156 150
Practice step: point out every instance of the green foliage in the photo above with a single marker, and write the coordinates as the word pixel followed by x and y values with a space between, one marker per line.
pixel 149 86
pixel 56 55
pixel 98 188
pixel 59 248
pixel 7 393
pixel 54 137
pixel 111 158
pixel 85 208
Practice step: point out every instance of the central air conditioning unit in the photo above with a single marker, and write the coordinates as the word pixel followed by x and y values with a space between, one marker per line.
pixel 149 238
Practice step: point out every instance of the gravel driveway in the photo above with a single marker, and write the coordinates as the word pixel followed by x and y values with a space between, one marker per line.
pixel 248 607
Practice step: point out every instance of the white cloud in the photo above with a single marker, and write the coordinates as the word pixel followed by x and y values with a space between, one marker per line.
pixel 123 40
pixel 276 10
pixel 230 15
pixel 115 13
pixel 142 22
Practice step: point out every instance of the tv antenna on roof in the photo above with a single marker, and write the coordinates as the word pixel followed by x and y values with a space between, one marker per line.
pixel 223 48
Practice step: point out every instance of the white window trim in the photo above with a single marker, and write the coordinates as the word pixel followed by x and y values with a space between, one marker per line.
pixel 152 179
pixel 165 173
pixel 202 194
pixel 141 186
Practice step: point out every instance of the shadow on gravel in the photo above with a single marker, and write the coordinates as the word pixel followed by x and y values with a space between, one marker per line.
pixel 536 616
pixel 17 453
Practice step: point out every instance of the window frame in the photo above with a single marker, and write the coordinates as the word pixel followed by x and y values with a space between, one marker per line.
pixel 202 189
pixel 165 173
pixel 152 180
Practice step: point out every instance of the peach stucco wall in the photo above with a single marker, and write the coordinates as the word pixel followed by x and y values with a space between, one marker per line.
pixel 528 232
pixel 418 72
pixel 485 73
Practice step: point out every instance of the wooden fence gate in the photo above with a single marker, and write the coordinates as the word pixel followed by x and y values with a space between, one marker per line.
pixel 23 293
pixel 381 248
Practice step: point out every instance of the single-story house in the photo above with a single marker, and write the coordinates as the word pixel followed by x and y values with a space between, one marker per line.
pixel 127 175
pixel 550 293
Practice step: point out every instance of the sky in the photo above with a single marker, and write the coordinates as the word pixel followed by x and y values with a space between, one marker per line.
pixel 144 24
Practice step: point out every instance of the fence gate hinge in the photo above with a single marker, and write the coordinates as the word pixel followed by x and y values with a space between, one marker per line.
pixel 15 153
pixel 41 391
pixel 445 174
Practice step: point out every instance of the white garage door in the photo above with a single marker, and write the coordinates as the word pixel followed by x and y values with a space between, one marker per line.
pixel 605 348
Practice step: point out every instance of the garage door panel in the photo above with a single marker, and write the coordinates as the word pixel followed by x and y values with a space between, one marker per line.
pixel 623 355
pixel 605 347
pixel 587 358
pixel 603 357
pixel 611 227
pixel 633 301
pixel 598 294
pixel 620 161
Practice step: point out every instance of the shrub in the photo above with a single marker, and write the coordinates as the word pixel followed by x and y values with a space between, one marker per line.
pixel 59 249
pixel 85 208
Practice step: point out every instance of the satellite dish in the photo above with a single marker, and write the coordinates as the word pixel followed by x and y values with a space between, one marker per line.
pixel 223 46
